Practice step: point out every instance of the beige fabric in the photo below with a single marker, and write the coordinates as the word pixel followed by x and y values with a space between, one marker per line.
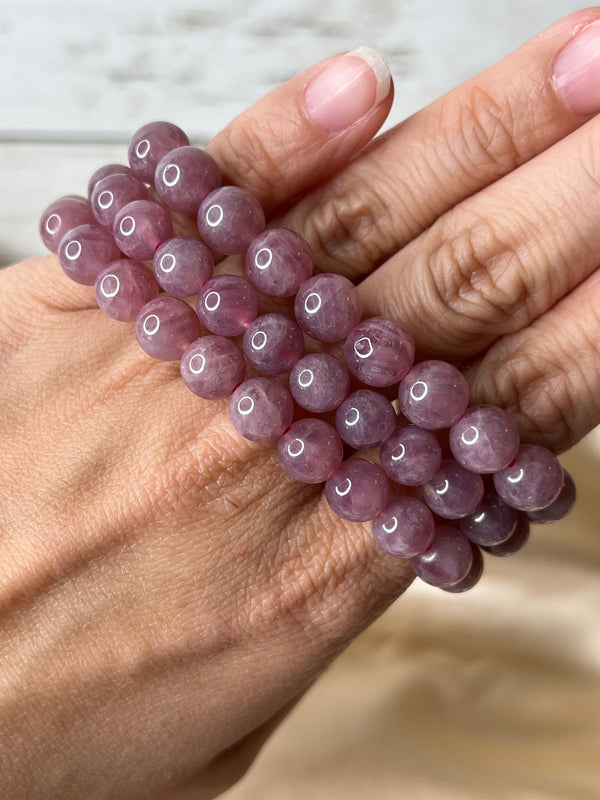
pixel 491 695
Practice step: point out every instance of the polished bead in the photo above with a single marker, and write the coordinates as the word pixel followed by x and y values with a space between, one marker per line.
pixel 182 266
pixel 212 367
pixel 379 351
pixel 112 193
pixel 227 305
pixel 491 523
pixel 319 382
pixel 273 343
pixel 433 395
pixel 447 560
pixel 453 492
pixel 261 410
pixel 327 307
pixel 85 251
pixel 358 491
pixel 411 456
pixel 365 419
pixel 515 542
pixel 562 506
pixel 311 451
pixel 532 481
pixel 140 227
pixel 184 177
pixel 473 575
pixel 149 144
pixel 229 219
pixel 485 439
pixel 165 328
pixel 104 172
pixel 278 262
pixel 123 288
pixel 63 215
pixel 404 528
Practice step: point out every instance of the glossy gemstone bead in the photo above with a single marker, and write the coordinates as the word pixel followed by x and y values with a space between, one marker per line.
pixel 278 262
pixel 515 542
pixel 319 382
pixel 433 395
pixel 227 305
pixel 447 560
pixel 492 522
pixel 365 419
pixel 311 451
pixel 149 144
pixel 85 251
pixel 273 343
pixel 165 328
pixel 485 439
pixel 453 492
pixel 411 456
pixel 140 227
pixel 229 219
pixel 404 528
pixel 261 409
pixel 104 172
pixel 358 491
pixel 473 575
pixel 562 506
pixel 112 193
pixel 212 367
pixel 532 481
pixel 379 351
pixel 327 307
pixel 184 177
pixel 182 266
pixel 62 216
pixel 123 288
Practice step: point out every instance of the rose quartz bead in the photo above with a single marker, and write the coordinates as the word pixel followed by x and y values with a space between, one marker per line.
pixel 485 439
pixel 311 451
pixel 365 419
pixel 182 266
pixel 212 367
pixel 184 177
pixel 165 328
pixel 229 219
pixel 273 343
pixel 112 193
pixel 104 172
pixel 447 560
pixel 515 542
pixel 227 305
pixel 473 575
pixel 86 250
pixel 149 144
pixel 453 492
pixel 261 409
pixel 140 227
pixel 433 395
pixel 411 456
pixel 319 382
pixel 491 523
pixel 327 307
pixel 123 288
pixel 532 481
pixel 278 262
pixel 379 351
pixel 404 528
pixel 562 506
pixel 358 491
pixel 62 216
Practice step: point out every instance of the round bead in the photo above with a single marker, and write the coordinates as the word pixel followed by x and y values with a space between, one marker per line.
pixel 212 367
pixel 278 262
pixel 273 343
pixel 327 307
pixel 404 528
pixel 149 144
pixel 379 351
pixel 365 419
pixel 104 172
pixel 447 560
pixel 473 575
pixel 319 382
pixel 182 266
pixel 453 492
pixel 433 395
pixel 515 542
pixel 227 305
pixel 411 456
pixel 229 219
pixel 562 506
pixel 492 522
pixel 261 409
pixel 62 216
pixel 85 251
pixel 112 193
pixel 165 327
pixel 485 439
pixel 140 227
pixel 532 481
pixel 311 451
pixel 184 177
pixel 123 288
pixel 358 491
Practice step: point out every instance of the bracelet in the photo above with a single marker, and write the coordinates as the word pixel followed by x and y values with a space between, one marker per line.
pixel 452 479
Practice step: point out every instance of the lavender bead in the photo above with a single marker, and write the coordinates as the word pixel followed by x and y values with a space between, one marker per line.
pixel 123 288
pixel 447 560
pixel 227 305
pixel 184 177
pixel 149 144
pixel 165 328
pixel 379 351
pixel 212 367
pixel 327 307
pixel 182 266
pixel 112 193
pixel 515 542
pixel 404 528
pixel 319 382
pixel 86 250
pixel 492 522
pixel 261 409
pixel 365 419
pixel 473 575
pixel 229 219
pixel 532 481
pixel 358 491
pixel 104 172
pixel 311 451
pixel 453 492
pixel 140 227
pixel 562 506
pixel 485 439
pixel 278 262
pixel 273 343
pixel 433 395
pixel 411 456
pixel 62 216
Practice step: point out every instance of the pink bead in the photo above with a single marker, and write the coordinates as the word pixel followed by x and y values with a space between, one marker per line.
pixel 229 219
pixel 515 542
pixel 365 419
pixel 140 227
pixel 85 251
pixel 104 172
pixel 404 528
pixel 123 288
pixel 278 262
pixel 62 216
pixel 319 382
pixel 112 193
pixel 485 439
pixel 532 481
pixel 562 506
pixel 311 451
pixel 447 560
pixel 327 307
pixel 261 410
pixel 227 305
pixel 411 456
pixel 358 491
pixel 184 177
pixel 165 328
pixel 149 144
pixel 212 367
pixel 433 395
pixel 182 266
pixel 473 575
pixel 273 343
pixel 491 523
pixel 453 492
pixel 379 351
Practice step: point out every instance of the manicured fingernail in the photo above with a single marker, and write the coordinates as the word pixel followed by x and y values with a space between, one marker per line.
pixel 576 72
pixel 348 89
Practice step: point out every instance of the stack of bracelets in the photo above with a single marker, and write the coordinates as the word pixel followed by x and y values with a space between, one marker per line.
pixel 437 511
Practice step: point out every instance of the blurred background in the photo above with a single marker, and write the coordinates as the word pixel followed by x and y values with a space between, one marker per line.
pixel 494 694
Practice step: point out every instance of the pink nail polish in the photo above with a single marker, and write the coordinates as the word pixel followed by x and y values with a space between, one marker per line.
pixel 348 89
pixel 576 71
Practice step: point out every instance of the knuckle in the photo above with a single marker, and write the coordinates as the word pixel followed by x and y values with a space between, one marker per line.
pixel 251 160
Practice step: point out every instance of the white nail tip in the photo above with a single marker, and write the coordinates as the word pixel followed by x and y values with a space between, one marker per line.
pixel 379 66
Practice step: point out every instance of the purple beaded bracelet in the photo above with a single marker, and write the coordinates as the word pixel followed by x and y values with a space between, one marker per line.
pixel 437 511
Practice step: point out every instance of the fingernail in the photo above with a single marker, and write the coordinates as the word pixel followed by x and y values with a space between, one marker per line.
pixel 576 72
pixel 348 89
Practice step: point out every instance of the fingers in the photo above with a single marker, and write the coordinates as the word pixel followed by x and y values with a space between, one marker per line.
pixel 453 148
